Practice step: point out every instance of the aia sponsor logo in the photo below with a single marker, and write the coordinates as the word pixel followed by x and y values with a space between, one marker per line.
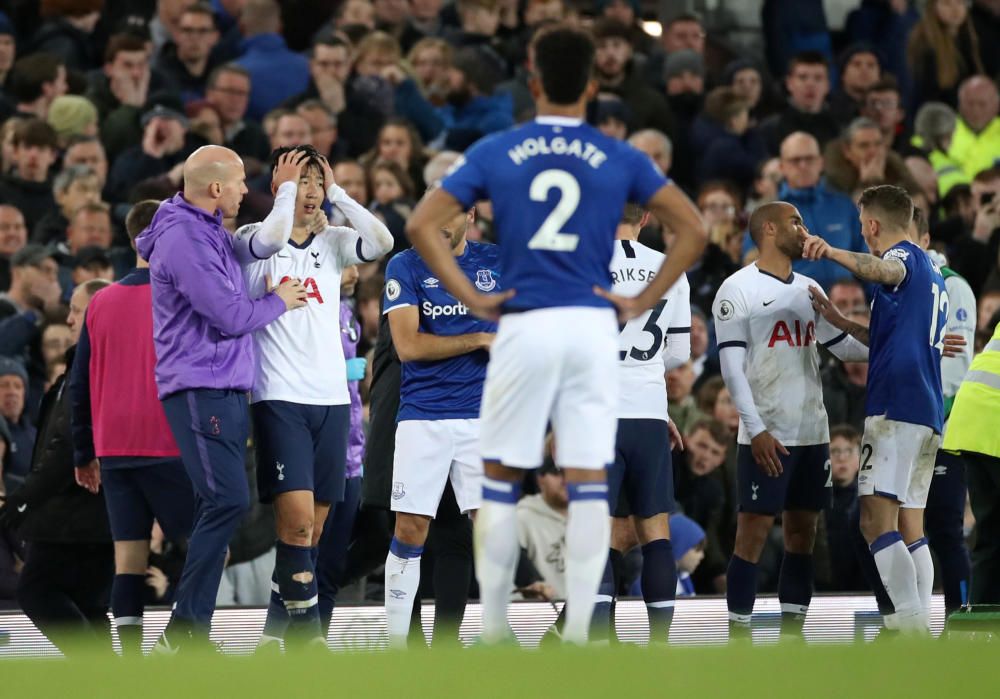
pixel 795 335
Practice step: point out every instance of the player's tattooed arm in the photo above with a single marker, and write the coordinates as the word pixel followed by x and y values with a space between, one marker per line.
pixel 889 271
pixel 870 268
pixel 832 315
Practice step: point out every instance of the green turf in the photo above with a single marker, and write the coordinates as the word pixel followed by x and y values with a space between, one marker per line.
pixel 910 669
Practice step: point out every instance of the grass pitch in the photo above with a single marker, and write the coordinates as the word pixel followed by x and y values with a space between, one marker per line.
pixel 900 668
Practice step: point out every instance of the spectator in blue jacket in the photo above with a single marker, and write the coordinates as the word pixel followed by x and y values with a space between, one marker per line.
pixel 828 214
pixel 473 111
pixel 276 73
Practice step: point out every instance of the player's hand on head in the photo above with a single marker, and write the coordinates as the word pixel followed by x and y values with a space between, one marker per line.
pixel 291 291
pixel 765 449
pixel 815 248
pixel 954 345
pixel 289 167
pixel 488 306
pixel 328 180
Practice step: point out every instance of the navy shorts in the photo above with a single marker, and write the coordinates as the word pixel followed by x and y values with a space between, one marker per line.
pixel 805 482
pixel 301 447
pixel 641 480
pixel 137 494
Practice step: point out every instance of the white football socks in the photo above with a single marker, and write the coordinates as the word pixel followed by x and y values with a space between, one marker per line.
pixel 588 535
pixel 497 551
pixel 899 575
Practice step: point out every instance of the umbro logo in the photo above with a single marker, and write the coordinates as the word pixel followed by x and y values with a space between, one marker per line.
pixel 940 470
pixel 284 257
pixel 431 283
pixel 768 303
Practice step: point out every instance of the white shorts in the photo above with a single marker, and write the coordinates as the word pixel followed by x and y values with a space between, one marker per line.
pixel 558 365
pixel 428 452
pixel 897 460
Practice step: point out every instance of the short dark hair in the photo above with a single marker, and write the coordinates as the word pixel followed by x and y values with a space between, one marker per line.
pixel 891 205
pixel 312 155
pixel 35 132
pixel 330 40
pixel 564 60
pixel 848 281
pixel 30 74
pixel 684 17
pixel 887 83
pixel 122 42
pixel 213 77
pixel 610 28
pixel 723 104
pixel 988 175
pixel 708 394
pixel 718 431
pixel 139 217
pixel 765 213
pixel 808 58
pixel 845 431
pixel 201 8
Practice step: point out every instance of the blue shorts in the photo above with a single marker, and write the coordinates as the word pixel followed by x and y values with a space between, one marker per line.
pixel 805 482
pixel 136 495
pixel 301 447
pixel 642 472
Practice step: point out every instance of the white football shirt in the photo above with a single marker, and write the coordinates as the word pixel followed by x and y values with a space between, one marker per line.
pixel 774 320
pixel 300 358
pixel 645 343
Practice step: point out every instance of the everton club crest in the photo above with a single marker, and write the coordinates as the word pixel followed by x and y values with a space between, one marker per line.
pixel 485 280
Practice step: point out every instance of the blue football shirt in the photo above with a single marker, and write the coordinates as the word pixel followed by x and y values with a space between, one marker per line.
pixel 906 337
pixel 558 188
pixel 445 389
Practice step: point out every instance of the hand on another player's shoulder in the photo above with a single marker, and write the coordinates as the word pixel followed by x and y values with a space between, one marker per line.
pixel 485 340
pixel 289 167
pixel 815 248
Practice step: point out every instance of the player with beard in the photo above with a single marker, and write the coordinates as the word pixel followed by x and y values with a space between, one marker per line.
pixel 768 332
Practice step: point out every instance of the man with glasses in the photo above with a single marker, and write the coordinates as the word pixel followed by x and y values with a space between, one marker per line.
pixel 228 90
pixel 826 213
pixel 188 59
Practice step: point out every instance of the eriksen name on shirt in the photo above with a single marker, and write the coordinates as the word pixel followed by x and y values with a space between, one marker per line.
pixel 539 145
pixel 632 274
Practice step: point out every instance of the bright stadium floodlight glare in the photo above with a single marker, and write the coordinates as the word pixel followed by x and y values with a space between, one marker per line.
pixel 652 27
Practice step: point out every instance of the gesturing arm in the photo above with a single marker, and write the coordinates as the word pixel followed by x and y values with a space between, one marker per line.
pixel 889 271
pixel 846 339
pixel 261 241
pixel 368 239
pixel 415 346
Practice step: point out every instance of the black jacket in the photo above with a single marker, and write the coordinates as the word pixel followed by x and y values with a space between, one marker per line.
pixel 387 375
pixel 34 199
pixel 57 510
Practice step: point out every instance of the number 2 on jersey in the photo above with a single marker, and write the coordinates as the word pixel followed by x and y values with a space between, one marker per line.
pixel 939 317
pixel 549 236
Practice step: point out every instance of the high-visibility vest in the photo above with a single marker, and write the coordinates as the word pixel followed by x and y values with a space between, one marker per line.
pixel 974 424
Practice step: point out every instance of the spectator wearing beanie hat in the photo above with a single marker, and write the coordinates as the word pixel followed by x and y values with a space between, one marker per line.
pixel 13 391
pixel 688 539
pixel 72 115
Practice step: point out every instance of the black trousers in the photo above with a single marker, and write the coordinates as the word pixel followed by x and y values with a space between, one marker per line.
pixel 65 590
pixel 984 495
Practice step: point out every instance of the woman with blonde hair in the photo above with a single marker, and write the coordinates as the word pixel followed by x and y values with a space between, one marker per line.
pixel 943 51
pixel 430 59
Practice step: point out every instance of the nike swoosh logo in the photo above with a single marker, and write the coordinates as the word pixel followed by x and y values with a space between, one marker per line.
pixel 22 508
pixel 768 303
pixel 284 257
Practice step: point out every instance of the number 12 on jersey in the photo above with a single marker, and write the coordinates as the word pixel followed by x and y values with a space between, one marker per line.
pixel 939 317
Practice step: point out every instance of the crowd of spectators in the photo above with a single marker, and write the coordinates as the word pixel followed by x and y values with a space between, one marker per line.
pixel 101 101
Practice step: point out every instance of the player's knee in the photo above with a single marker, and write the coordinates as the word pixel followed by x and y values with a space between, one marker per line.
pixel 411 529
pixel 751 535
pixel 498 472
pixel 800 532
pixel 297 530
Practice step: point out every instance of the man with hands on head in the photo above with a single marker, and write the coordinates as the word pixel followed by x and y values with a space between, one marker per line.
pixel 300 400
pixel 203 318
